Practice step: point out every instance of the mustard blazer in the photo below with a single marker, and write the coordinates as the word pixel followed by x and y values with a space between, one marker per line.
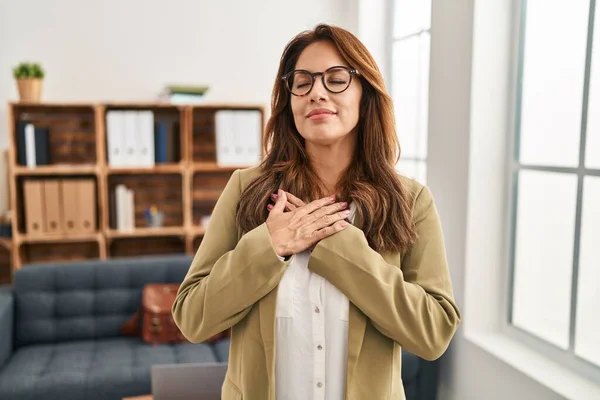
pixel 394 302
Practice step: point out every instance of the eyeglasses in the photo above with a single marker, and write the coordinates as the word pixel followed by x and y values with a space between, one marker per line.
pixel 335 79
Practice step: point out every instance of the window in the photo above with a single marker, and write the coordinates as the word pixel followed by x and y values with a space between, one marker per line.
pixel 555 168
pixel 410 82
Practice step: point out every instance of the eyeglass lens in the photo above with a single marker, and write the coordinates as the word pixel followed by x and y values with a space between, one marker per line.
pixel 336 80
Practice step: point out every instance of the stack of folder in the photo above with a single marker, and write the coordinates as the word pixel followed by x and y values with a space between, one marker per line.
pixel 238 137
pixel 59 207
pixel 136 139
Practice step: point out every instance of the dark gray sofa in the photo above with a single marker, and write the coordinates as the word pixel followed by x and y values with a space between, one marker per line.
pixel 59 333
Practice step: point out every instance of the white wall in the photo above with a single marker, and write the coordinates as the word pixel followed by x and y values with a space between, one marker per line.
pixel 468 373
pixel 128 50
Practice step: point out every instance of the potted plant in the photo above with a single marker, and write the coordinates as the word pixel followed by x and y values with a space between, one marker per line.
pixel 29 78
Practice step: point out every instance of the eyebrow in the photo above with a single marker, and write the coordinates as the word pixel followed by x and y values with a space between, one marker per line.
pixel 334 65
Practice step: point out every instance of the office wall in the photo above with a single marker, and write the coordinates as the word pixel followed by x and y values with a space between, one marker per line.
pixel 128 50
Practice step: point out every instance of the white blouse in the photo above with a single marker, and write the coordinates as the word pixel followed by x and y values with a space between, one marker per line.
pixel 311 334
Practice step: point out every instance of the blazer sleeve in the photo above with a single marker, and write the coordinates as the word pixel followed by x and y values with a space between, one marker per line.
pixel 226 277
pixel 413 305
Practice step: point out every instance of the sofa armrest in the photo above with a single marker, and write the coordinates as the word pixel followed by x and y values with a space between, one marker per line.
pixel 6 324
pixel 427 380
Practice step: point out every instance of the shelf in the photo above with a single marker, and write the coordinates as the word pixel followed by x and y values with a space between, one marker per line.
pixel 214 167
pixel 45 170
pixel 156 169
pixel 86 237
pixel 146 232
pixel 49 104
pixel 6 243
pixel 185 189
pixel 198 230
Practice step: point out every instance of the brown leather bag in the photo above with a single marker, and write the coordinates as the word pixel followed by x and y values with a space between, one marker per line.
pixel 157 324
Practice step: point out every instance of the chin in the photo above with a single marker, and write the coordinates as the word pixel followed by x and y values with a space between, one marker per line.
pixel 323 138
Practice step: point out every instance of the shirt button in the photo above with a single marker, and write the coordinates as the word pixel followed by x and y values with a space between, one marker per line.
pixel 317 310
pixel 320 347
pixel 319 384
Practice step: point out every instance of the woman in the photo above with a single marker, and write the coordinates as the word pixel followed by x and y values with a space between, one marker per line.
pixel 323 287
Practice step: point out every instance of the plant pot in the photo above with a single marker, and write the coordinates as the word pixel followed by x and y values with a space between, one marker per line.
pixel 30 89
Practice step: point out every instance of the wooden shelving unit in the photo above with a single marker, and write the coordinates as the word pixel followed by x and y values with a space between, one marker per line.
pixel 185 191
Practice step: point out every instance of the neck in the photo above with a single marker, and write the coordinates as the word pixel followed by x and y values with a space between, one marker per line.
pixel 330 162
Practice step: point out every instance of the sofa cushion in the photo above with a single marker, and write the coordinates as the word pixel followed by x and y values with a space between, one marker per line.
pixel 95 369
pixel 85 300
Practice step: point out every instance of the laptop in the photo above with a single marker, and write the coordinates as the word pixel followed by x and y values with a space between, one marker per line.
pixel 191 381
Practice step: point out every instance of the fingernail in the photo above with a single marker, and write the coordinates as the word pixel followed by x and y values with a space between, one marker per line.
pixel 333 197
pixel 344 204
pixel 274 196
pixel 346 212
pixel 269 207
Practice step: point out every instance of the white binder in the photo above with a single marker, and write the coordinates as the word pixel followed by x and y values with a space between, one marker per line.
pixel 115 138
pixel 130 134
pixel 145 138
pixel 225 138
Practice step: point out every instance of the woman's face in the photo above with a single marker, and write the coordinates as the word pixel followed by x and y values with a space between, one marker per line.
pixel 323 117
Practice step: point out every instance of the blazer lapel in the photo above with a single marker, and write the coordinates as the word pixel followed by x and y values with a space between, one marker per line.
pixel 267 330
pixel 357 323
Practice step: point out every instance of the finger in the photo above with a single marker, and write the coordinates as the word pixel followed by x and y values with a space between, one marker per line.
pixel 294 200
pixel 279 206
pixel 289 206
pixel 314 205
pixel 269 207
pixel 330 230
pixel 327 220
pixel 321 213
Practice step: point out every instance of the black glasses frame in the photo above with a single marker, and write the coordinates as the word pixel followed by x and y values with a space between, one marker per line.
pixel 287 76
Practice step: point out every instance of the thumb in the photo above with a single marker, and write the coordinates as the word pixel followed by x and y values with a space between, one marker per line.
pixel 279 206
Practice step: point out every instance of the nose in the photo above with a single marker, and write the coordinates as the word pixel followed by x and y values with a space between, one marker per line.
pixel 318 92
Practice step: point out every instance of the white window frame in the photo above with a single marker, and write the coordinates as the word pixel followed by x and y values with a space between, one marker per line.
pixel 496 33
pixel 568 357
pixel 391 40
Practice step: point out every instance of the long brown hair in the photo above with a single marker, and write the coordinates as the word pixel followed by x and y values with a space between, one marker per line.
pixel 371 182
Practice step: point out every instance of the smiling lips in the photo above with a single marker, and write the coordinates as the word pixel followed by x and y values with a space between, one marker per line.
pixel 320 114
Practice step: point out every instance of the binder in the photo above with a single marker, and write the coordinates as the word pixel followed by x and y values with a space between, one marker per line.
pixel 249 135
pixel 145 138
pixel 115 139
pixel 70 207
pixel 86 199
pixel 30 145
pixel 53 220
pixel 34 208
pixel 225 138
pixel 130 134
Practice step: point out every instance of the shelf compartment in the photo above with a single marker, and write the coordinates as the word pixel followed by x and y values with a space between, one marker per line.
pixel 21 205
pixel 206 189
pixel 67 133
pixel 88 237
pixel 129 247
pixel 168 119
pixel 164 191
pixel 59 252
